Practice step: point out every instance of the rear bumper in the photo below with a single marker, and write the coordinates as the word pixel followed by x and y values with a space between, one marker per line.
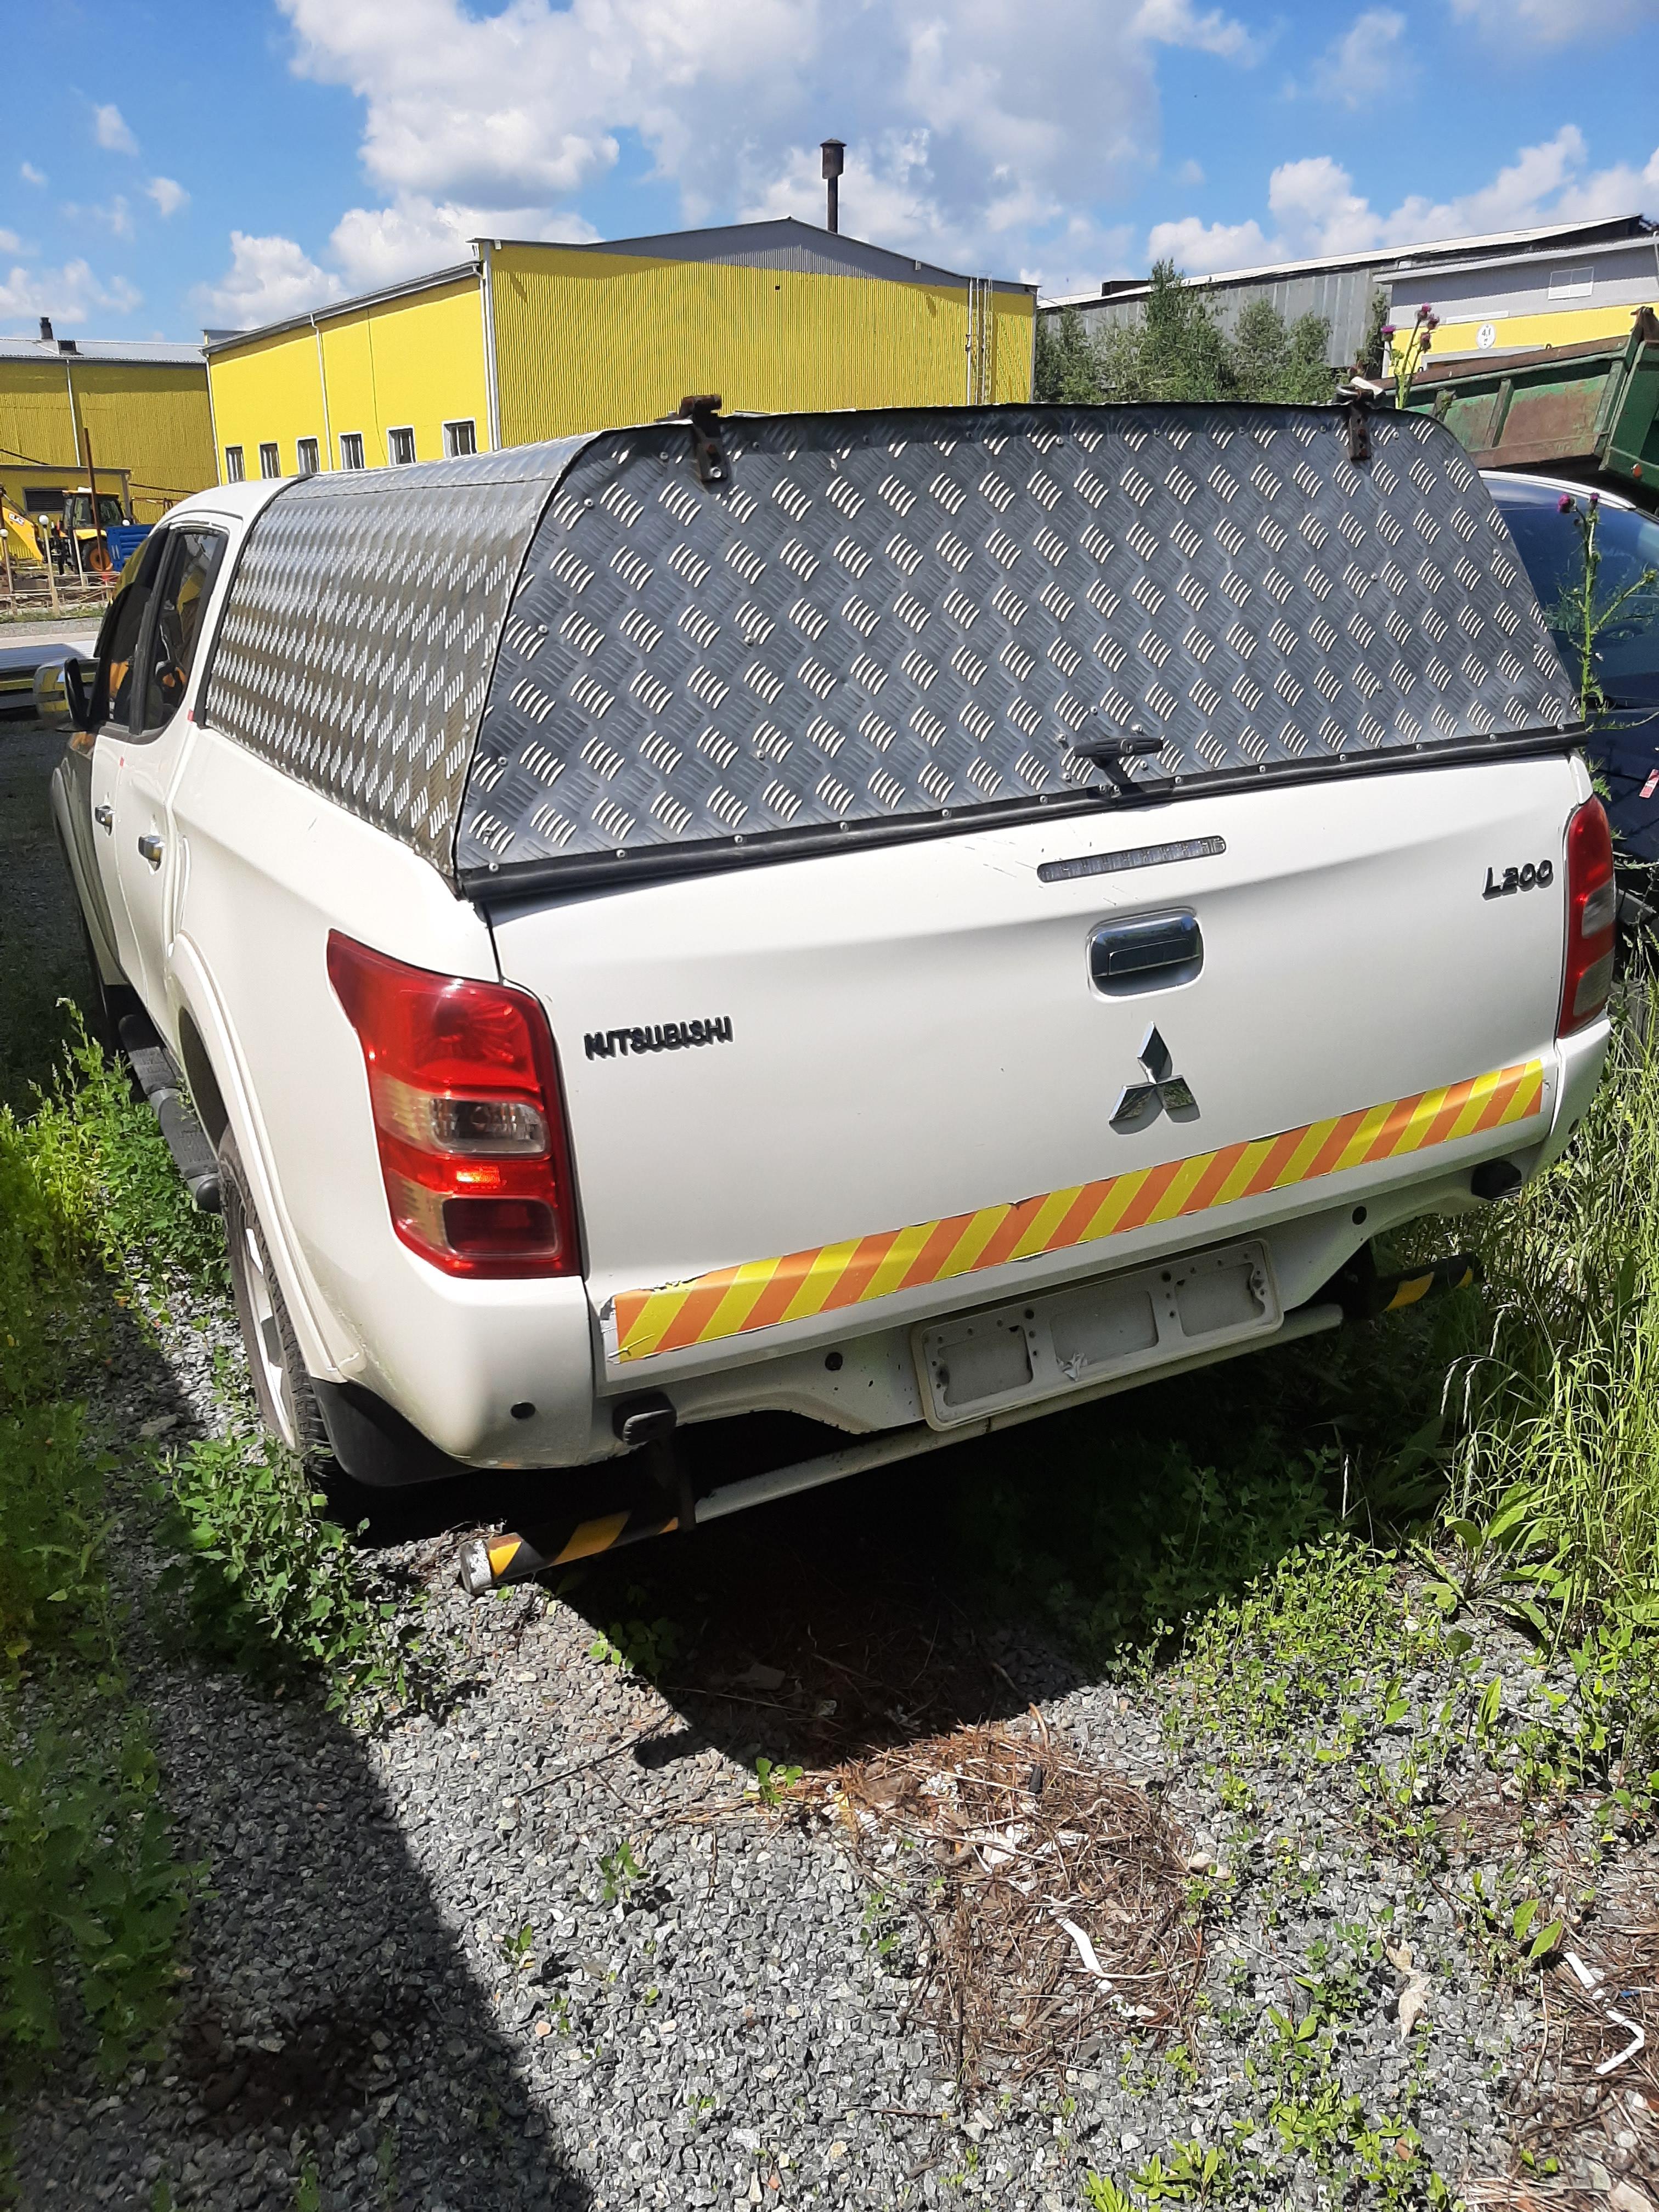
pixel 485 1562
pixel 506 1375
pixel 868 1386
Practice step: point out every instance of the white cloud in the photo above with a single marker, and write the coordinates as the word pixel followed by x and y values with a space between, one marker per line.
pixel 972 132
pixel 110 129
pixel 169 196
pixel 382 245
pixel 1199 249
pixel 68 295
pixel 1190 172
pixel 1555 23
pixel 1173 23
pixel 30 174
pixel 1368 63
pixel 1317 210
pixel 8 241
pixel 267 279
pixel 112 214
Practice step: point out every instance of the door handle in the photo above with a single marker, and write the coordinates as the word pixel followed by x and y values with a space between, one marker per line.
pixel 103 817
pixel 150 848
pixel 1147 955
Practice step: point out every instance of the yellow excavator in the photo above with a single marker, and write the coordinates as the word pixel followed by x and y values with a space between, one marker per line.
pixel 22 540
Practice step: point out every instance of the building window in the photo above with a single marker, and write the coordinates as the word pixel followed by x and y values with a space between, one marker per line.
pixel 460 438
pixel 233 469
pixel 400 445
pixel 351 449
pixel 270 461
pixel 1573 284
pixel 307 457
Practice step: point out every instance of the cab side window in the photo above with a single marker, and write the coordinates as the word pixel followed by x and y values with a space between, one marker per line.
pixel 118 635
pixel 175 626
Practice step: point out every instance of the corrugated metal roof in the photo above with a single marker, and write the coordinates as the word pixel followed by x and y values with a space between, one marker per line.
pixel 146 353
pixel 218 340
pixel 1550 251
pixel 1609 230
pixel 783 243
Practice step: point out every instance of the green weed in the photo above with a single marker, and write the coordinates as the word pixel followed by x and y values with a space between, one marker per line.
pixel 262 1579
pixel 644 1648
pixel 91 1897
pixel 620 1873
pixel 772 1783
pixel 1297 1648
pixel 102 1161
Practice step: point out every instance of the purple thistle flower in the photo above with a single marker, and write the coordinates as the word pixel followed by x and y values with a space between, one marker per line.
pixel 1596 498
pixel 1388 329
pixel 1425 309
pixel 1563 505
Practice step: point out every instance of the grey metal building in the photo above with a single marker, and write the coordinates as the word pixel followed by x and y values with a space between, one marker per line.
pixel 1341 287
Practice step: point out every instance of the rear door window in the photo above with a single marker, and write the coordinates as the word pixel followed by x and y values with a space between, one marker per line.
pixel 175 629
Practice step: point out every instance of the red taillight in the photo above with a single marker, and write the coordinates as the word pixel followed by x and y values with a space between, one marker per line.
pixel 467 1115
pixel 1591 903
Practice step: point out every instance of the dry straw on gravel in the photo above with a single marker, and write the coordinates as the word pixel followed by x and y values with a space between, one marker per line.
pixel 1050 1897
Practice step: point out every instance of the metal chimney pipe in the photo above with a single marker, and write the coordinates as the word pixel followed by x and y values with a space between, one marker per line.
pixel 833 151
pixel 46 330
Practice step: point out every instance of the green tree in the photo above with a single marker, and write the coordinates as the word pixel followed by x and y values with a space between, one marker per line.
pixel 1177 350
pixel 1067 369
pixel 1372 346
pixel 1271 362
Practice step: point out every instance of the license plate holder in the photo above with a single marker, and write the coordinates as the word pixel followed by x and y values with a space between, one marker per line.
pixel 1061 1341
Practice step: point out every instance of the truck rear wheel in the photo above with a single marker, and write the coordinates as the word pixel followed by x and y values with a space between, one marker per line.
pixel 287 1404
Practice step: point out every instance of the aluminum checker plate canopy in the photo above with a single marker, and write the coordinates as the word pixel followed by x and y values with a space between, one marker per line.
pixel 361 629
pixel 878 624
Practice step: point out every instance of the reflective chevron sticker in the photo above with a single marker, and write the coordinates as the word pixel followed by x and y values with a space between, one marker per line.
pixel 770 1293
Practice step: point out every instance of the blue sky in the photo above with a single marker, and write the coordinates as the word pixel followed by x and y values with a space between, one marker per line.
pixel 226 161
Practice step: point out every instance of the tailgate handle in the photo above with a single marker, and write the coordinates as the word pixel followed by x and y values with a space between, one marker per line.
pixel 1152 954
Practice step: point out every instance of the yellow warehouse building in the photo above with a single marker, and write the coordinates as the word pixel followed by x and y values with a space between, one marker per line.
pixel 144 404
pixel 530 340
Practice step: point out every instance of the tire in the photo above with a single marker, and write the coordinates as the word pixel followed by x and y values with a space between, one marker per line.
pixel 287 1404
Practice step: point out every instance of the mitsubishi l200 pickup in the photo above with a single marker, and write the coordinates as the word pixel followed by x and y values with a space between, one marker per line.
pixel 907 921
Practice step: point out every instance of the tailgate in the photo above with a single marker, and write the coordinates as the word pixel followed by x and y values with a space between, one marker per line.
pixel 913 1078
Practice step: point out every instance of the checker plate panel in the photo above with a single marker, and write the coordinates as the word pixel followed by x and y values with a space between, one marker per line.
pixel 913 613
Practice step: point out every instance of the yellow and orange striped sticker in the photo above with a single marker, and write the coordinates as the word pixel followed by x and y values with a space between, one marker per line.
pixel 767 1293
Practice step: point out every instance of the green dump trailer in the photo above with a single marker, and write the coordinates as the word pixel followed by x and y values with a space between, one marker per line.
pixel 1583 410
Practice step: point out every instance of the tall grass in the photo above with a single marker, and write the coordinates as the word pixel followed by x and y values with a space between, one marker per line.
pixel 1560 1406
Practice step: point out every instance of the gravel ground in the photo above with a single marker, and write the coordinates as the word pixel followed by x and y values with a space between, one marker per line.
pixel 730 2026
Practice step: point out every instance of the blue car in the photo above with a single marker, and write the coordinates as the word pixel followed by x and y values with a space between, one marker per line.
pixel 1624 747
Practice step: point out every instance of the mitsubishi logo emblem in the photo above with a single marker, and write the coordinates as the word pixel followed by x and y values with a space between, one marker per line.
pixel 1163 1091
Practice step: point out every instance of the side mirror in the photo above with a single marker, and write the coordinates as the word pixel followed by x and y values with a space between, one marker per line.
pixel 63 693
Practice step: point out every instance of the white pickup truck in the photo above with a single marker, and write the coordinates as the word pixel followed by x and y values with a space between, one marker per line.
pixel 905 921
